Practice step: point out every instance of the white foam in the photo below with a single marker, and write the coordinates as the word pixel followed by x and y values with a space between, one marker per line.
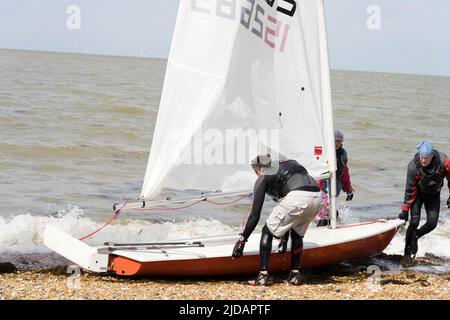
pixel 437 242
pixel 24 233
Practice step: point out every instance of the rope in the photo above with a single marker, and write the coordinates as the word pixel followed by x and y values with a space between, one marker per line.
pixel 192 204
pixel 98 230
pixel 81 239
pixel 244 221
pixel 170 209
pixel 114 217
pixel 226 203
pixel 247 211
pixel 117 212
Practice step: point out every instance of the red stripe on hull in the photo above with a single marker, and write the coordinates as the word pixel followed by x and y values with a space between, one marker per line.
pixel 312 257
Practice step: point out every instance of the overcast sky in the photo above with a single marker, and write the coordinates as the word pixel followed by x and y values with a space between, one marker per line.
pixel 412 36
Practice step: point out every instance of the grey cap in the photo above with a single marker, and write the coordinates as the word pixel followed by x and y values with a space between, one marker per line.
pixel 262 161
pixel 338 135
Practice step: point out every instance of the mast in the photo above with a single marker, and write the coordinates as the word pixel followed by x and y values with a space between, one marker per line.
pixel 327 111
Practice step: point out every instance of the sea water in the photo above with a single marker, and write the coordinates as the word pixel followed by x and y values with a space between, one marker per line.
pixel 76 130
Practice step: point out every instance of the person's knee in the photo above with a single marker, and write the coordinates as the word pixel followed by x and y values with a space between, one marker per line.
pixel 266 238
pixel 266 231
pixel 294 234
pixel 432 222
pixel 414 223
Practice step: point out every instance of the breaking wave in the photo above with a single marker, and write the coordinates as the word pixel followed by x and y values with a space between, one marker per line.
pixel 21 236
pixel 24 233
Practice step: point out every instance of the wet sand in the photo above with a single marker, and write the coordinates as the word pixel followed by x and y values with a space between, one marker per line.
pixel 342 281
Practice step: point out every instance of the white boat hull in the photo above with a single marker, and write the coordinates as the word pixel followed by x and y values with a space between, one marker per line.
pixel 322 246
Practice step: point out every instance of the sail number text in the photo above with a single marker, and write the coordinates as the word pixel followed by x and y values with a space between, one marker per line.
pixel 254 16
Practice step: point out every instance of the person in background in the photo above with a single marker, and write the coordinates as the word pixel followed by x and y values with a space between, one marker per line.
pixel 342 175
pixel 299 200
pixel 424 181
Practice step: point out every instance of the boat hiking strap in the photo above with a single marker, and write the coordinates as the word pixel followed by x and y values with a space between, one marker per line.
pixel 149 246
pixel 193 243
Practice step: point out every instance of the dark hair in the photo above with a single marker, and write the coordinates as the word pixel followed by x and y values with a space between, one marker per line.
pixel 261 161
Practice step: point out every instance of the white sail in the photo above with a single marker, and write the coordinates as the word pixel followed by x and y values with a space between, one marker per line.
pixel 243 77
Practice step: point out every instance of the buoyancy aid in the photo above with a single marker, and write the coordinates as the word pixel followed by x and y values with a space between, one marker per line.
pixel 431 179
pixel 291 176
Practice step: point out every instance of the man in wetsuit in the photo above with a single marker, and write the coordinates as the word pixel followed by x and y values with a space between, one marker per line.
pixel 299 200
pixel 424 181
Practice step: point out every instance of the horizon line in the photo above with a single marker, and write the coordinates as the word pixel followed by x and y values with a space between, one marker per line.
pixel 165 58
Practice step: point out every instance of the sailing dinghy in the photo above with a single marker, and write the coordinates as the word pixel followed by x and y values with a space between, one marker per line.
pixel 244 77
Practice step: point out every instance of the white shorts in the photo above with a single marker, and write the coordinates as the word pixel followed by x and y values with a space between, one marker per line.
pixel 295 211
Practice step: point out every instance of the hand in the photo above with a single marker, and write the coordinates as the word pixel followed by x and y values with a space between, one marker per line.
pixel 448 202
pixel 349 196
pixel 403 215
pixel 238 248
pixel 282 246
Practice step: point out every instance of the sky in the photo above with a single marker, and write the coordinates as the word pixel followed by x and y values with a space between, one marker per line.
pixel 397 36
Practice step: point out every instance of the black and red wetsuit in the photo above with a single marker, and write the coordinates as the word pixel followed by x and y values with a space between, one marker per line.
pixel 342 174
pixel 342 180
pixel 423 187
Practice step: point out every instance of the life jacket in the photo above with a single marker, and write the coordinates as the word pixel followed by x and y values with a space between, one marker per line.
pixel 431 182
pixel 285 171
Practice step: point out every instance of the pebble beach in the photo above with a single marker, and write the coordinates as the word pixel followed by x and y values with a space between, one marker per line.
pixel 340 282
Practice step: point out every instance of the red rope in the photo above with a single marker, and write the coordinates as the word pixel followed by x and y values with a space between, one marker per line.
pixel 116 214
pixel 92 233
pixel 81 239
pixel 114 217
pixel 244 221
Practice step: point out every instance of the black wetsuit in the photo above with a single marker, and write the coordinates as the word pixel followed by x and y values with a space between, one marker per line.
pixel 290 176
pixel 423 187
